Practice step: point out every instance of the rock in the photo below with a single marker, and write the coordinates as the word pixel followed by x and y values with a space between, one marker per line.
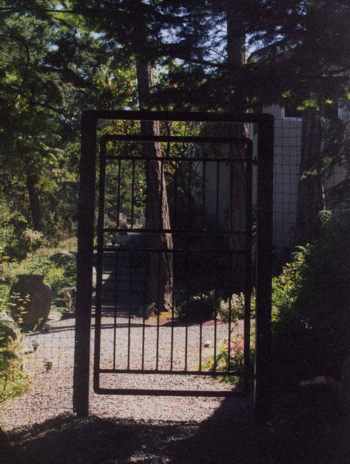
pixel 207 344
pixel 31 301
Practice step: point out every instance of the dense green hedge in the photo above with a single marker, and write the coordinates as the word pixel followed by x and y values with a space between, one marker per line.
pixel 311 306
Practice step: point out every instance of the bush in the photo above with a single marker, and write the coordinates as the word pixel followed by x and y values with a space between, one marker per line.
pixel 311 306
pixel 235 362
pixel 236 306
pixel 13 380
pixel 196 308
pixel 16 238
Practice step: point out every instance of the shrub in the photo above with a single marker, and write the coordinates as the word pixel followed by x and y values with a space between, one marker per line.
pixel 311 306
pixel 235 361
pixel 196 308
pixel 13 380
pixel 16 239
pixel 236 306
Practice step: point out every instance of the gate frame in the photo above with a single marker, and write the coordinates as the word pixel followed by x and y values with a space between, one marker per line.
pixel 86 227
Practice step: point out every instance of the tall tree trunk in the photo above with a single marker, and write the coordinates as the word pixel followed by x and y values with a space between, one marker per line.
pixel 160 272
pixel 310 185
pixel 236 59
pixel 235 56
pixel 34 199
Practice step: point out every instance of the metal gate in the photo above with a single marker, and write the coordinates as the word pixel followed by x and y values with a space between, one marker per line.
pixel 183 239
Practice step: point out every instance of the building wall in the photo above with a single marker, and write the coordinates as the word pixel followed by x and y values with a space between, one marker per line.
pixel 287 157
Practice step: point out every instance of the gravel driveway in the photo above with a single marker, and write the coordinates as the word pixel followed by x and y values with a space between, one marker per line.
pixel 51 371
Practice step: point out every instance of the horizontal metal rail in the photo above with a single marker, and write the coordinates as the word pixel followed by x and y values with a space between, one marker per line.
pixel 156 392
pixel 172 139
pixel 209 373
pixel 194 116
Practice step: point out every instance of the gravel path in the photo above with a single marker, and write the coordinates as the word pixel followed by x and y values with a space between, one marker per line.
pixel 51 371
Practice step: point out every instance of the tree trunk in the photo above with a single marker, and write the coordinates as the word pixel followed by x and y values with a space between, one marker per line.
pixel 34 200
pixel 235 56
pixel 160 271
pixel 310 184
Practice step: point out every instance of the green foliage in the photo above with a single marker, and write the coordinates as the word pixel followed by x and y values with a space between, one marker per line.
pixel 196 307
pixel 233 308
pixel 311 306
pixel 234 362
pixel 13 227
pixel 13 380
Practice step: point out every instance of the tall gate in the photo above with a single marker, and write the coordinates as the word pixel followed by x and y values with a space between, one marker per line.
pixel 180 248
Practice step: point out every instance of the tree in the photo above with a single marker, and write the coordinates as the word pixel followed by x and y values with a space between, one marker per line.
pixel 51 69
pixel 140 35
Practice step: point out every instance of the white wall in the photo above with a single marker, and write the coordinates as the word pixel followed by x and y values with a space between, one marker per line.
pixel 287 156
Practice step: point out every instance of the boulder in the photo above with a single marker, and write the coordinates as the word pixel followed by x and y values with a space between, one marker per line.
pixel 31 301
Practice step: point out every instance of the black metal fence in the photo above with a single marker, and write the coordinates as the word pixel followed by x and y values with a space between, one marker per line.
pixel 49 358
pixel 234 192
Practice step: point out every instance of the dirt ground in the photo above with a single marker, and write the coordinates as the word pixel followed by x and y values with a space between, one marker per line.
pixel 129 429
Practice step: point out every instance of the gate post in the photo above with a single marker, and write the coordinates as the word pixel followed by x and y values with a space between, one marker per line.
pixel 262 387
pixel 86 214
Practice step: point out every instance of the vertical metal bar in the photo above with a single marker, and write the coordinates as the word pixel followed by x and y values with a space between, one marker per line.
pixel 99 265
pixel 130 307
pixel 204 226
pixel 115 294
pixel 159 254
pixel 204 193
pixel 262 387
pixel 189 193
pixel 187 252
pixel 217 257
pixel 173 303
pixel 175 194
pixel 188 236
pixel 132 193
pixel 229 328
pixel 162 181
pixel 231 259
pixel 217 194
pixel 116 271
pixel 248 266
pixel 174 267
pixel 215 327
pixel 118 191
pixel 86 216
pixel 147 260
pixel 144 253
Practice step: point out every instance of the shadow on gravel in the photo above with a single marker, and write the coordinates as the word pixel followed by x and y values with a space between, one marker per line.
pixel 229 436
